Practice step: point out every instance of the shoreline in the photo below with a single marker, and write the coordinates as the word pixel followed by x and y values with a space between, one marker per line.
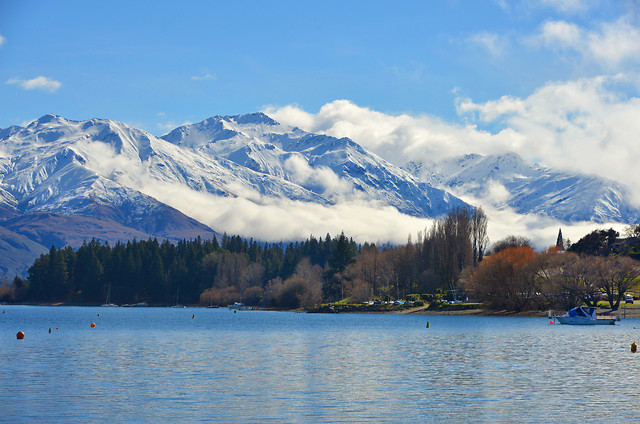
pixel 625 310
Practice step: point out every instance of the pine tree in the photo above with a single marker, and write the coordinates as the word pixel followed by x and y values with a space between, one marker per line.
pixel 560 240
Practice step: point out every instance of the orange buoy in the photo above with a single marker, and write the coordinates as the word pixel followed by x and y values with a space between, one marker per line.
pixel 57 328
pixel 551 322
pixel 20 335
pixel 98 314
pixel 93 324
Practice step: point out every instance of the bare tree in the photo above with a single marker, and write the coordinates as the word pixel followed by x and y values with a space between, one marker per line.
pixel 616 275
pixel 479 238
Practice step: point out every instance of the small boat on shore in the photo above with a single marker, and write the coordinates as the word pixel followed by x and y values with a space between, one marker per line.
pixel 584 315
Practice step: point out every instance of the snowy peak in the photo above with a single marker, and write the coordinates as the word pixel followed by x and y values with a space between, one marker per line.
pixel 52 130
pixel 223 135
pixel 258 118
pixel 336 169
pixel 507 180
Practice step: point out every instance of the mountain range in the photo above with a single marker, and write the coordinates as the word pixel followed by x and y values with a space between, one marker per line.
pixel 63 182
pixel 508 181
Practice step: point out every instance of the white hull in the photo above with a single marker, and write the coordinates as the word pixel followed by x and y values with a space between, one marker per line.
pixel 586 321
pixel 583 315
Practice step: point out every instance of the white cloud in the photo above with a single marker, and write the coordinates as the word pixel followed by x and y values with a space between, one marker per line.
pixel 610 44
pixel 397 138
pixel 615 42
pixel 585 125
pixel 2 40
pixel 560 34
pixel 569 6
pixel 502 4
pixel 250 213
pixel 205 76
pixel 270 219
pixel 37 83
pixel 321 178
pixel 169 125
pixel 590 125
pixel 493 43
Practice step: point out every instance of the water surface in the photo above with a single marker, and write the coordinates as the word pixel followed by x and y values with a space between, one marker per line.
pixel 213 365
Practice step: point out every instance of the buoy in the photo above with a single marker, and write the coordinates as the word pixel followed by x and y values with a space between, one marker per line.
pixel 427 324
pixel 20 335
pixel 551 322
pixel 93 324
pixel 57 328
pixel 49 330
pixel 234 311
pixel 634 347
pixel 98 314
pixel 193 316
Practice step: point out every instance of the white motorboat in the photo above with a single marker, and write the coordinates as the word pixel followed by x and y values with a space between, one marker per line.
pixel 584 315
pixel 236 305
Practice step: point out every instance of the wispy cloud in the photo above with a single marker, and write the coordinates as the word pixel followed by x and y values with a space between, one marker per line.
pixel 568 6
pixel 169 125
pixel 413 71
pixel 609 45
pixel 320 178
pixel 37 83
pixel 493 43
pixel 2 40
pixel 204 77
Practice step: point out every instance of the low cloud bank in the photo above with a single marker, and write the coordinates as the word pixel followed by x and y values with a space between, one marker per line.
pixel 274 219
pixel 589 126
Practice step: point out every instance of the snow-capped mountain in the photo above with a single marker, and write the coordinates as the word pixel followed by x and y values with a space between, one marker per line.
pixel 334 169
pixel 107 173
pixel 509 181
pixel 64 181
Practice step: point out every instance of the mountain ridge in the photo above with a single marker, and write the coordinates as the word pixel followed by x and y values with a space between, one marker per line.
pixel 103 177
pixel 530 188
pixel 98 172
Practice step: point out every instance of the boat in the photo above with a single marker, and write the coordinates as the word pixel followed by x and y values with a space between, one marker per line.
pixel 584 315
pixel 236 305
pixel 108 301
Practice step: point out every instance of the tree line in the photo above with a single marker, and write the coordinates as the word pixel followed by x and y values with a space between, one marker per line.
pixel 212 272
pixel 450 258
pixel 600 266
pixel 167 273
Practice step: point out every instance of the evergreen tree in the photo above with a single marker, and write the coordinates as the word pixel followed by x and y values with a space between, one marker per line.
pixel 560 240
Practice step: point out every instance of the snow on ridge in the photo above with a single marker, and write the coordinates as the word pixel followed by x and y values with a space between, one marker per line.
pixel 532 188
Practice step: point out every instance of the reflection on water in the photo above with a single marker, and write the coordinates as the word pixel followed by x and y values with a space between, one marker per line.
pixel 160 365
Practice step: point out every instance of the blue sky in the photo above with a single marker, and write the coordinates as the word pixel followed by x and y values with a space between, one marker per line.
pixel 162 65
pixel 556 81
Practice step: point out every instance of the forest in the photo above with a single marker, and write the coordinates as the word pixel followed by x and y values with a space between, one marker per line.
pixel 450 260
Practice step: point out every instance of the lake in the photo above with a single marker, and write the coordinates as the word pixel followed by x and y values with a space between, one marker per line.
pixel 214 365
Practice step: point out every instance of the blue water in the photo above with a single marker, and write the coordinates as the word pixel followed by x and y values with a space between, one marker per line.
pixel 162 365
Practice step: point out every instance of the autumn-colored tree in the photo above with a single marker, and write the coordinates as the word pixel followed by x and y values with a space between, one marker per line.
pixel 505 280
